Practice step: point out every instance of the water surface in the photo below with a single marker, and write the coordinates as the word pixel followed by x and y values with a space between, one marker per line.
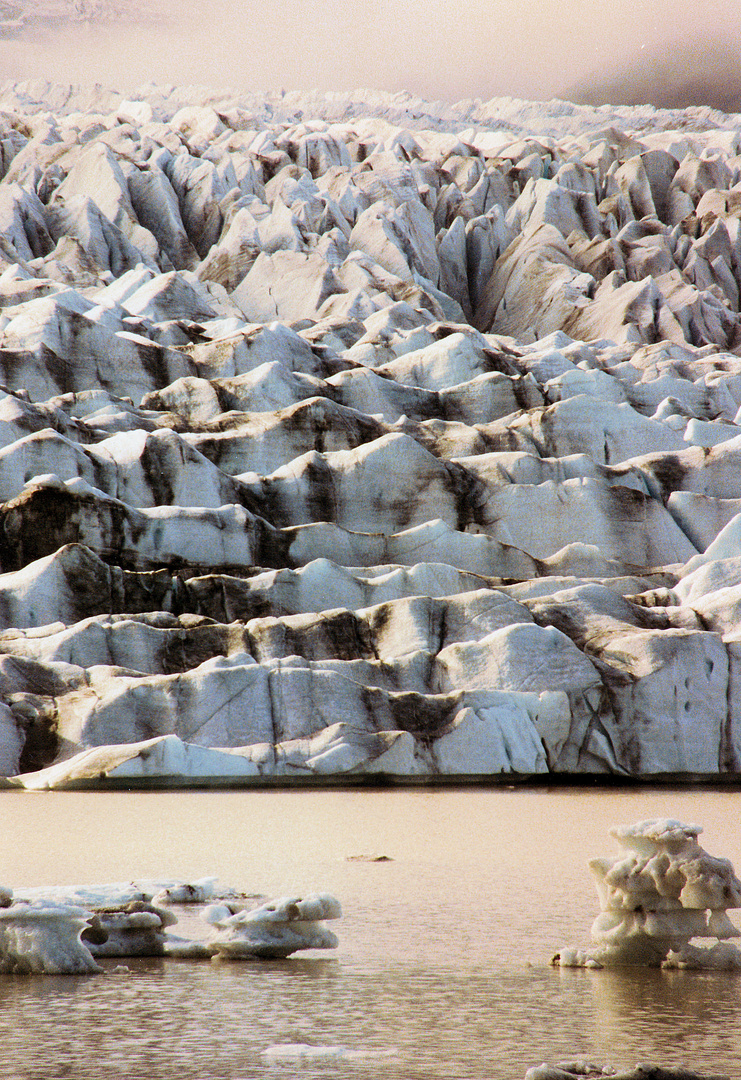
pixel 444 947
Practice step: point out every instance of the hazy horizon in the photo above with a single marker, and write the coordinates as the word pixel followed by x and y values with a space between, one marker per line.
pixel 529 48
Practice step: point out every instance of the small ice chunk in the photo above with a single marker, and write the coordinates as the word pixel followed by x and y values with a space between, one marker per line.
pixel 44 939
pixel 137 929
pixel 567 1070
pixel 305 1054
pixel 196 892
pixel 310 908
pixel 577 1069
pixel 113 894
pixel 218 913
pixel 720 957
pixel 647 835
pixel 301 1052
pixel 186 949
pixel 277 928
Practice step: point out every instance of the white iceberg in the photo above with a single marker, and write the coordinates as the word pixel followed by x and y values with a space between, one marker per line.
pixel 47 931
pixel 274 929
pixel 60 929
pixel 118 894
pixel 186 892
pixel 136 929
pixel 44 938
pixel 655 898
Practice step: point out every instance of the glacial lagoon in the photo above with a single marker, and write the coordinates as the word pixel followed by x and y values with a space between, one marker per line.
pixel 453 902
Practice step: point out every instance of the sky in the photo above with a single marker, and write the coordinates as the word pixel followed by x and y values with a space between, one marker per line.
pixel 438 48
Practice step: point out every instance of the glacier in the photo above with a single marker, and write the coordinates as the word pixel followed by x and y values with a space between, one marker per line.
pixel 356 436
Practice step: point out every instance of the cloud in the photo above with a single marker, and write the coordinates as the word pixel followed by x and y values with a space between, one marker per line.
pixel 674 77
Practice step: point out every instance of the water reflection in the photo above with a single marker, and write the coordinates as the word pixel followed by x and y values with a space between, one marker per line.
pixel 669 1017
pixel 16 989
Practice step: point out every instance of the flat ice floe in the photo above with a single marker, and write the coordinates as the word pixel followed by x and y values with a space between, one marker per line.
pixel 308 1054
pixel 349 434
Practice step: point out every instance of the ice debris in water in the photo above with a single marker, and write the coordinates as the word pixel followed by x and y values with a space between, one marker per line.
pixel 577 1069
pixel 661 892
pixel 303 1053
pixel 44 938
pixel 53 935
pixel 197 892
pixel 120 893
pixel 135 929
pixel 275 929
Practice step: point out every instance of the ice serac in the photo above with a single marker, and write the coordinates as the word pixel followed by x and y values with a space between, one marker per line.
pixel 352 435
pixel 663 891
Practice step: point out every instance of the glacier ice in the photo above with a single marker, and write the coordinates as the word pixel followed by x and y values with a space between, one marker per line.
pixel 286 378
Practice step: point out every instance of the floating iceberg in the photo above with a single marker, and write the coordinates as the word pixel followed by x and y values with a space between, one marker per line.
pixel 136 929
pixel 44 938
pixel 305 1054
pixel 47 931
pixel 196 892
pixel 655 898
pixel 118 894
pixel 275 929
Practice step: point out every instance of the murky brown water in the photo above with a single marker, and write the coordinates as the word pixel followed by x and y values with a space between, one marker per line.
pixel 443 951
